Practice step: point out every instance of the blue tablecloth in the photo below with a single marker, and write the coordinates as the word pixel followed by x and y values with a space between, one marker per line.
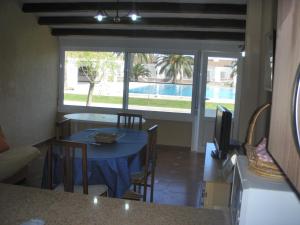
pixel 109 164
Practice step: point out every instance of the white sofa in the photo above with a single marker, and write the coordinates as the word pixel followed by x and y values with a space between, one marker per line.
pixel 14 161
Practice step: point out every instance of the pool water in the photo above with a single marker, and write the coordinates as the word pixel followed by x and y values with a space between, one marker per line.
pixel 212 92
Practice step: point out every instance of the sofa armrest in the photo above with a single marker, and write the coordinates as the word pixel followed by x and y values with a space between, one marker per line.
pixel 13 160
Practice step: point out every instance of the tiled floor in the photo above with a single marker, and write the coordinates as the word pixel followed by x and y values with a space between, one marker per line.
pixel 178 179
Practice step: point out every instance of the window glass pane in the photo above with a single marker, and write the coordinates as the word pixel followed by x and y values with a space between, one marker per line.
pixel 94 79
pixel 161 82
pixel 221 84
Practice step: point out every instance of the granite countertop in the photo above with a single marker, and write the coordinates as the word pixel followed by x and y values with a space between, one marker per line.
pixel 19 204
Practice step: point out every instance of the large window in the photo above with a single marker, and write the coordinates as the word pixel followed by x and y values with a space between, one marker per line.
pixel 94 79
pixel 153 82
pixel 161 82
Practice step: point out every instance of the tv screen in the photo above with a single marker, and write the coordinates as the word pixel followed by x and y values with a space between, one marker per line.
pixel 222 132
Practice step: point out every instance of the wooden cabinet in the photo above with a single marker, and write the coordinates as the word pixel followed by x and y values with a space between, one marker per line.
pixel 281 142
pixel 216 195
pixel 217 186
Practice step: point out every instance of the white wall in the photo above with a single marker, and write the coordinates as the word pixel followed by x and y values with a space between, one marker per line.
pixel 28 76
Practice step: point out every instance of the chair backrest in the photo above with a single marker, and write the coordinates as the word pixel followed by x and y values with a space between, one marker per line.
pixel 130 120
pixel 62 129
pixel 68 149
pixel 151 154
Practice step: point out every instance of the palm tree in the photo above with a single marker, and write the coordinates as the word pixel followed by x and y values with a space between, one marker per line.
pixel 139 70
pixel 144 58
pixel 175 66
pixel 233 65
pixel 140 57
pixel 233 74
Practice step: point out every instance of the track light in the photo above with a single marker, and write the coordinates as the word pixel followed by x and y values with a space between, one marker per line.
pixel 134 16
pixel 101 15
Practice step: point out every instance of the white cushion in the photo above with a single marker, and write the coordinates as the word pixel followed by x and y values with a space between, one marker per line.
pixel 16 158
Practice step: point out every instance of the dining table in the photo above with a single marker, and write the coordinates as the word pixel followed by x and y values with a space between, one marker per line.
pixel 92 117
pixel 108 163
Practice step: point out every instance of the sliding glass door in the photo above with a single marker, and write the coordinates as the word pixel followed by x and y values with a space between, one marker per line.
pixel 220 85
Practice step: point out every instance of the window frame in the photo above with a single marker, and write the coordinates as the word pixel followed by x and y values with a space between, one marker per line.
pixel 127 51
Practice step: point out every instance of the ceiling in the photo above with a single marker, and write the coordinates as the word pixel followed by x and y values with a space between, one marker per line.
pixel 184 19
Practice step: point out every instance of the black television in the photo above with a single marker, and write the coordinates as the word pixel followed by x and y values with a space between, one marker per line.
pixel 222 132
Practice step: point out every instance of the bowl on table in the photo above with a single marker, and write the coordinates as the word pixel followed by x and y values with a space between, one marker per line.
pixel 106 137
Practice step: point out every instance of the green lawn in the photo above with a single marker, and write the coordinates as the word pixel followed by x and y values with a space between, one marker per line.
pixel 213 105
pixel 181 104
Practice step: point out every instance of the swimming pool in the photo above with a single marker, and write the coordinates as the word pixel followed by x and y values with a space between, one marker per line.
pixel 212 92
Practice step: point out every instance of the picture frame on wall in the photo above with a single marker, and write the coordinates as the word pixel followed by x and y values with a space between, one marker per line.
pixel 270 41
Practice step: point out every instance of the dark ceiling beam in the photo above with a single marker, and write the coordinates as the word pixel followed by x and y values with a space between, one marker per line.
pixel 233 9
pixel 197 35
pixel 174 22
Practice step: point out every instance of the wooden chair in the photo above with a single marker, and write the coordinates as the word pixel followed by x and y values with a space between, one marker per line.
pixel 141 179
pixel 130 120
pixel 62 129
pixel 68 151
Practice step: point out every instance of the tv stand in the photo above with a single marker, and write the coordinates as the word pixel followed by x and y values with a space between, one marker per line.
pixel 217 181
